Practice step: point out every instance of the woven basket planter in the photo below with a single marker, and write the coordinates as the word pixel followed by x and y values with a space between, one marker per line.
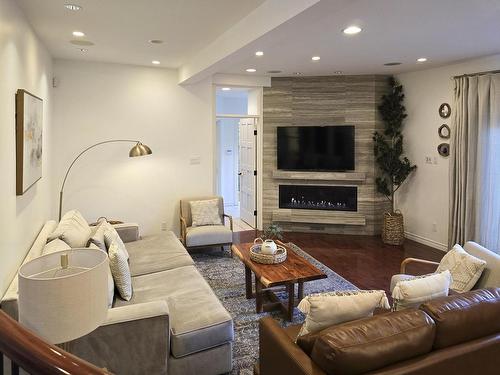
pixel 393 231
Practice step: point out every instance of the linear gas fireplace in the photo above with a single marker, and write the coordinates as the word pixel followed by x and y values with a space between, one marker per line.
pixel 312 197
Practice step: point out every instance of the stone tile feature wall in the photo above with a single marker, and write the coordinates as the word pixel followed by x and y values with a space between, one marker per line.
pixel 330 100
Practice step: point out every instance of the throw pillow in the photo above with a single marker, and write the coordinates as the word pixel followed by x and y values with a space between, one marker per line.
pixel 110 235
pixel 465 269
pixel 412 293
pixel 205 212
pixel 54 246
pixel 97 237
pixel 120 270
pixel 72 229
pixel 326 309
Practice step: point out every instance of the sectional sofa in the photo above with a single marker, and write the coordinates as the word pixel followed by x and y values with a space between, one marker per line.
pixel 173 324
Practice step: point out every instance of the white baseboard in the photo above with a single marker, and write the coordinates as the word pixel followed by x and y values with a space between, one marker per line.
pixel 426 241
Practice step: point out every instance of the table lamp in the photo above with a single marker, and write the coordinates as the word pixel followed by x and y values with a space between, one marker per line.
pixel 64 295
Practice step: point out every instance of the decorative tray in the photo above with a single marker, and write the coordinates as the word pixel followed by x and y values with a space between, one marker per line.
pixel 257 256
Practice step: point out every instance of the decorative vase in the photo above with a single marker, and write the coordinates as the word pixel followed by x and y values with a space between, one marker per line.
pixel 393 232
pixel 268 247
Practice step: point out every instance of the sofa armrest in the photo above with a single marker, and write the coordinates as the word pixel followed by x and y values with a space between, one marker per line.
pixel 128 232
pixel 134 339
pixel 280 355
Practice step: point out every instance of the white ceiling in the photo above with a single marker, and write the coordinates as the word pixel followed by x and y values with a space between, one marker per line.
pixel 444 31
pixel 121 29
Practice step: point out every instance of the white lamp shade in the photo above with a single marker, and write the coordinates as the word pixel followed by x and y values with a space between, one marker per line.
pixel 62 304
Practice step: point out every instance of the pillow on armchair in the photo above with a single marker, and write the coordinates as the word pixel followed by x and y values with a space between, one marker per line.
pixel 205 212
pixel 465 269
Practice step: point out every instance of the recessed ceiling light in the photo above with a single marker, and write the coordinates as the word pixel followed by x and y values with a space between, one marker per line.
pixel 155 41
pixel 226 89
pixel 316 58
pixel 392 63
pixel 259 53
pixel 156 62
pixel 78 33
pixel 422 59
pixel 351 30
pixel 251 70
pixel 73 7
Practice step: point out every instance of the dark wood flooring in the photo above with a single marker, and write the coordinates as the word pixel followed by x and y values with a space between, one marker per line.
pixel 365 261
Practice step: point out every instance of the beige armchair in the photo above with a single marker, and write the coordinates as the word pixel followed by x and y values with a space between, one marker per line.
pixel 206 235
pixel 489 278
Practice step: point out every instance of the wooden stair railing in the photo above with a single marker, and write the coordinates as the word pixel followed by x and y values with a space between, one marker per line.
pixel 34 355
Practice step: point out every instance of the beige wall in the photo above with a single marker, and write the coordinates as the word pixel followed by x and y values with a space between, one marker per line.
pixel 98 101
pixel 424 197
pixel 24 63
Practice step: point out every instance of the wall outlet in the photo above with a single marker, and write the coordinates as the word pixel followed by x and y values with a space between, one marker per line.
pixel 164 226
pixel 428 160
pixel 434 227
pixel 195 160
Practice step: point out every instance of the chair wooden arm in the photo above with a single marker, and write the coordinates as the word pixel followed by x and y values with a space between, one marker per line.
pixel 405 262
pixel 183 229
pixel 230 220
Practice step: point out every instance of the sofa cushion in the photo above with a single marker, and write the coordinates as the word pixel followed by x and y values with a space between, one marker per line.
pixel 120 269
pixel 372 343
pixel 208 235
pixel 97 236
pixel 197 318
pixel 110 235
pixel 465 269
pixel 54 246
pixel 72 229
pixel 465 317
pixel 325 309
pixel 155 253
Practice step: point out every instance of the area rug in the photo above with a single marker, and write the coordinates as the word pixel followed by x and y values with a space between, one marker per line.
pixel 226 276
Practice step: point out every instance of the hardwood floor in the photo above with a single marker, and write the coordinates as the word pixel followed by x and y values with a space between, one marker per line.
pixel 365 261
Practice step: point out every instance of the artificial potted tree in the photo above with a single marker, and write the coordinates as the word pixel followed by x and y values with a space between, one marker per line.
pixel 393 165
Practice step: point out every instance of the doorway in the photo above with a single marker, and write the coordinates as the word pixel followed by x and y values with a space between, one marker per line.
pixel 237 157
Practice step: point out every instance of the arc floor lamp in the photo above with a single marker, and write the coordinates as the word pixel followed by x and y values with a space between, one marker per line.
pixel 139 149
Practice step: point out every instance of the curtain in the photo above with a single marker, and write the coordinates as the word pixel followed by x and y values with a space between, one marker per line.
pixel 475 162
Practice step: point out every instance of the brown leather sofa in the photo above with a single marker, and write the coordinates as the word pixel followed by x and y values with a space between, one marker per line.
pixel 458 334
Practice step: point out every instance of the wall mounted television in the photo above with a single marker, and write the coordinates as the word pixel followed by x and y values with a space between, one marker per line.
pixel 316 148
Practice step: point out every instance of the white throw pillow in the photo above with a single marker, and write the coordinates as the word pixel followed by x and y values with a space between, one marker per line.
pixel 97 237
pixel 412 293
pixel 54 246
pixel 120 270
pixel 72 229
pixel 326 309
pixel 465 269
pixel 110 235
pixel 205 212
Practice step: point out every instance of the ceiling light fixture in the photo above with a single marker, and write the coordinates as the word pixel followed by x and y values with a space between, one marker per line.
pixel 78 34
pixel 251 70
pixel 155 41
pixel 73 7
pixel 352 30
pixel 315 58
pixel 422 59
pixel 226 89
pixel 155 62
pixel 259 53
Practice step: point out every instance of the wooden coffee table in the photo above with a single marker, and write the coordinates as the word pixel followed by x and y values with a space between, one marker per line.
pixel 294 270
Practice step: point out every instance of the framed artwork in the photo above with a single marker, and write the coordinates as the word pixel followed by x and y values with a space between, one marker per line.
pixel 29 126
pixel 444 110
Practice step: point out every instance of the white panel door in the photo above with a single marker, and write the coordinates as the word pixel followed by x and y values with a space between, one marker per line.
pixel 247 170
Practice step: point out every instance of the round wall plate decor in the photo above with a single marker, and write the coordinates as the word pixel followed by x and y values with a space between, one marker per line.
pixel 444 131
pixel 444 149
pixel 444 110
